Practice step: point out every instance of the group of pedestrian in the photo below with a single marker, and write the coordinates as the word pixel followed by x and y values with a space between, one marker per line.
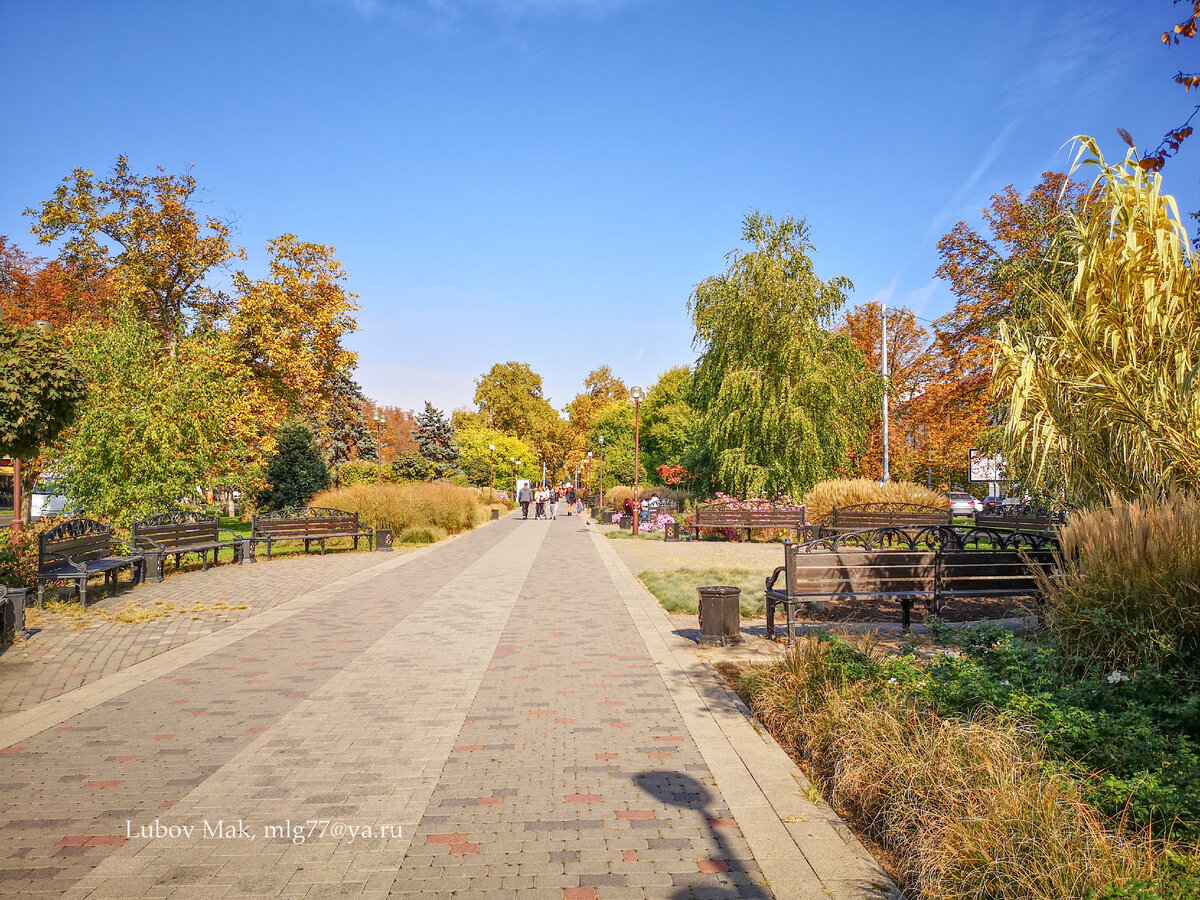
pixel 545 501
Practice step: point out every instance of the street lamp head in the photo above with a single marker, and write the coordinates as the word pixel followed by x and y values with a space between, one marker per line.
pixel 601 440
pixel 637 394
pixel 492 448
pixel 43 326
pixel 589 454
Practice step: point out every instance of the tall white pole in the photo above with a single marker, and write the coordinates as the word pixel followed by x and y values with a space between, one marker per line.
pixel 886 472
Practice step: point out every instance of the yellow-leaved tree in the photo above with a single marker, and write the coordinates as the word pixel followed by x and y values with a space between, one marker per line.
pixel 1102 383
pixel 289 327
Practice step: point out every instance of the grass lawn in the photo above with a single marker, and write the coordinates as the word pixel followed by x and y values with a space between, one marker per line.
pixel 676 590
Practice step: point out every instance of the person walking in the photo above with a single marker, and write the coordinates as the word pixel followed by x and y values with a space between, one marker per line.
pixel 539 500
pixel 552 503
pixel 525 497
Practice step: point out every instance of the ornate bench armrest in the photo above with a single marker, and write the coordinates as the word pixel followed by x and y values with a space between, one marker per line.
pixel 77 566
pixel 773 577
pixel 153 544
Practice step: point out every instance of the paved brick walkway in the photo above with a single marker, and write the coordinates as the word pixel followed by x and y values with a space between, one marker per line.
pixel 500 707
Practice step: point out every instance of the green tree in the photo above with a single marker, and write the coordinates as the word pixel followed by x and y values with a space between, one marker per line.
pixel 409 465
pixel 477 460
pixel 510 399
pixel 784 399
pixel 435 438
pixel 161 252
pixel 297 470
pixel 668 420
pixel 615 422
pixel 158 421
pixel 41 388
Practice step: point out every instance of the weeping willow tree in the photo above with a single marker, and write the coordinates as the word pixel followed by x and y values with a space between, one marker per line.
pixel 783 399
pixel 1103 383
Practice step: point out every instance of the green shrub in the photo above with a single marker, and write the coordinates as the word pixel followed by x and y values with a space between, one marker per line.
pixel 296 471
pixel 422 534
pixel 362 471
pixel 400 506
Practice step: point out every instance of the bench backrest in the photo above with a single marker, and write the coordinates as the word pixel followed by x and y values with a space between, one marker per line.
pixel 83 540
pixel 827 575
pixel 724 517
pixel 179 529
pixel 305 522
pixel 866 516
pixel 1014 523
pixel 992 573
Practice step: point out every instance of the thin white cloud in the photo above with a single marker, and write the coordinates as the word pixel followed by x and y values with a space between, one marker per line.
pixel 439 15
pixel 953 207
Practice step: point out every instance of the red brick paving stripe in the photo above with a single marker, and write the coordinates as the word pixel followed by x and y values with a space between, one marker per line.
pixel 605 757
pixel 629 856
pixel 582 798
pixel 659 756
pixel 542 712
pixel 464 849
pixel 456 838
pixel 561 721
pixel 102 785
pixel 167 804
pixel 163 737
pixel 74 840
pixel 635 814
pixel 669 739
pixel 13 750
pixel 489 801
pixel 619 724
pixel 106 840
pixel 127 758
pixel 579 894
pixel 722 823
pixel 712 866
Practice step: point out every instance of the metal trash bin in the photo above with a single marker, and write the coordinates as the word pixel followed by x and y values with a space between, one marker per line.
pixel 720 614
pixel 625 522
pixel 495 514
pixel 383 539
pixel 12 611
pixel 671 531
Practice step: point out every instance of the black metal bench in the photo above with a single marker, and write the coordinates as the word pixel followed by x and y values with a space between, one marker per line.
pixel 929 565
pixel 867 516
pixel 308 524
pixel 77 549
pixel 180 533
pixel 1020 518
pixel 749 519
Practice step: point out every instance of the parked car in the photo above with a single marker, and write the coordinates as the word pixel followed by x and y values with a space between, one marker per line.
pixel 963 504
pixel 44 504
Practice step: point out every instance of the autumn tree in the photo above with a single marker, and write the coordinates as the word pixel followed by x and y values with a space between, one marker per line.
pixel 290 326
pixel 1000 275
pixel 398 430
pixel 35 289
pixel 600 388
pixel 912 369
pixel 1101 383
pixel 142 233
pixel 510 399
pixel 784 398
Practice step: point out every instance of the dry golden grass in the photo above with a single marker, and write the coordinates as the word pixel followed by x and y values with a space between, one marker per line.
pixel 969 808
pixel 78 618
pixel 825 495
pixel 400 506
pixel 1129 592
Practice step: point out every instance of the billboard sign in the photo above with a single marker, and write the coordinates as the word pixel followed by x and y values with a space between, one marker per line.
pixel 984 468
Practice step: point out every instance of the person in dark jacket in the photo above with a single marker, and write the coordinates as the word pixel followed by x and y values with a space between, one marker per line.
pixel 525 497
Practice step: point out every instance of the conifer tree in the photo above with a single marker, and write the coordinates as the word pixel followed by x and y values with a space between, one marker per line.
pixel 297 470
pixel 435 438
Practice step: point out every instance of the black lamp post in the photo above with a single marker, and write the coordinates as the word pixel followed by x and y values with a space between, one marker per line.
pixel 380 421
pixel 491 470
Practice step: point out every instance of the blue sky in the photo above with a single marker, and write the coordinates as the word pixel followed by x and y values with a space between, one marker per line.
pixel 546 180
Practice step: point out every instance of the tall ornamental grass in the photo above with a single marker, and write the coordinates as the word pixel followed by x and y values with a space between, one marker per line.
pixel 399 506
pixel 970 807
pixel 840 492
pixel 1129 590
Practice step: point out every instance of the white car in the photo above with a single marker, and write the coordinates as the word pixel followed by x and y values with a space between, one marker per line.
pixel 963 504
